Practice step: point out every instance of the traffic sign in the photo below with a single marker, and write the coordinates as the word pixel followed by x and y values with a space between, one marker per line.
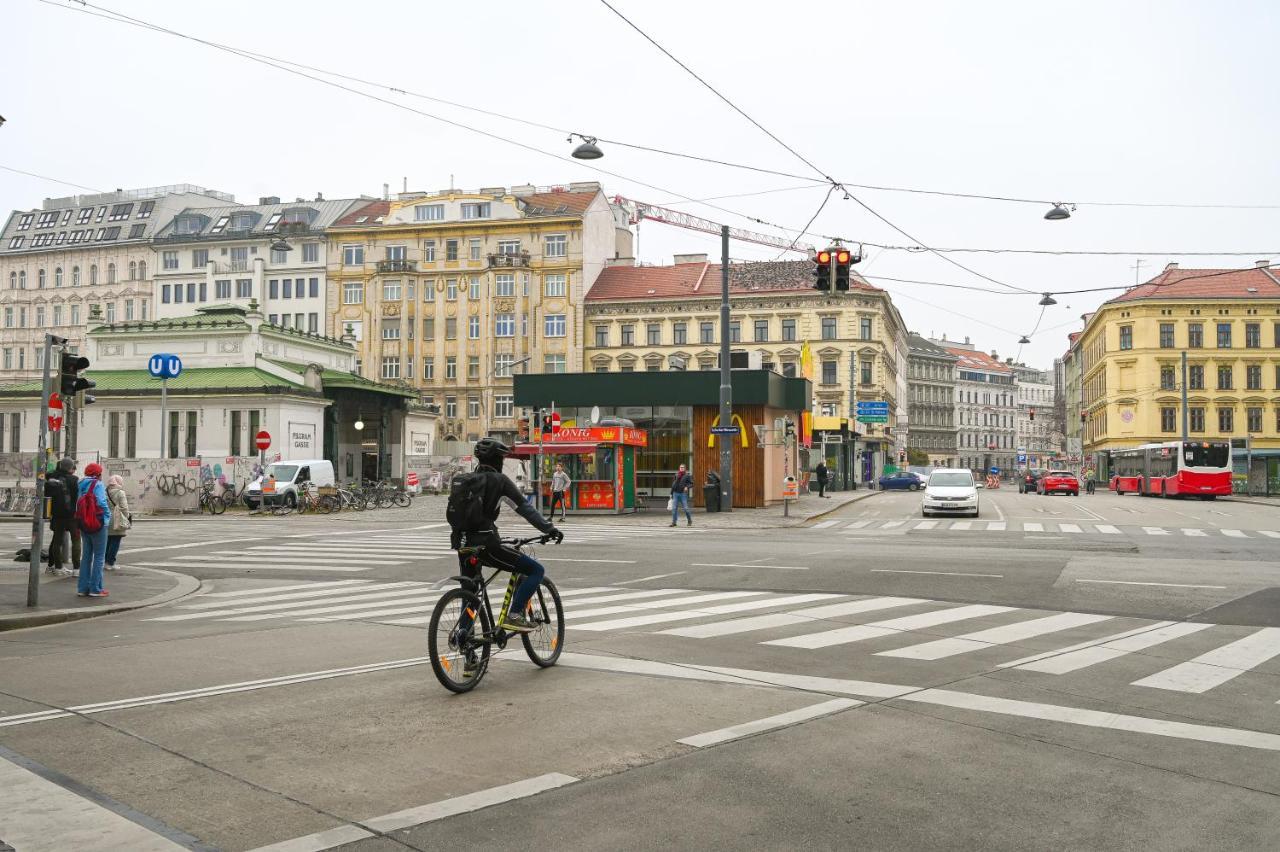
pixel 725 430
pixel 873 418
pixel 411 479
pixel 262 440
pixel 55 411
pixel 866 405
pixel 555 422
pixel 163 366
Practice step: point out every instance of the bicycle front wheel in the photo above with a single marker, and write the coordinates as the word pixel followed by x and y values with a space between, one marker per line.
pixel 451 649
pixel 403 500
pixel 544 644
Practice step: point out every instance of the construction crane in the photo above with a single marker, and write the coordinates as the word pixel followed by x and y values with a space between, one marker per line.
pixel 639 210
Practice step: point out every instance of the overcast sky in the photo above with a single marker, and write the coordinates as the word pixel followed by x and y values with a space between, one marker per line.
pixel 1090 101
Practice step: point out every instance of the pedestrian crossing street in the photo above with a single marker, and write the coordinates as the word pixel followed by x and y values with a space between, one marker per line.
pixel 1035 527
pixel 1173 656
pixel 355 553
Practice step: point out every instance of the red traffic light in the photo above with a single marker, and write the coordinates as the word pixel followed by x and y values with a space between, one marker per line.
pixel 823 257
pixel 842 256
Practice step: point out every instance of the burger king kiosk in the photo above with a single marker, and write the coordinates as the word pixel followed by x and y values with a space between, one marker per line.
pixel 600 461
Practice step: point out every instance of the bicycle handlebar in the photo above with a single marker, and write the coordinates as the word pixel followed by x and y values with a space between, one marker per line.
pixel 521 542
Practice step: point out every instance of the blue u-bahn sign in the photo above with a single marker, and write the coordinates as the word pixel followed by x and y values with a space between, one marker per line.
pixel 163 366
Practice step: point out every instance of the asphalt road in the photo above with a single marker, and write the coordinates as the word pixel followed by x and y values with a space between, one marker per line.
pixel 1091 673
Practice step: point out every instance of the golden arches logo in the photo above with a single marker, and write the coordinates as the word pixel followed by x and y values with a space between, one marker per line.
pixel 737 421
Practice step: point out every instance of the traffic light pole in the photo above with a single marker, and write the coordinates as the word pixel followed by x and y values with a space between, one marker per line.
pixel 37 514
pixel 726 379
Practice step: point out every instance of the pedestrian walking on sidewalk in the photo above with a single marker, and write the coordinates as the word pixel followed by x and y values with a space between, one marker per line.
pixel 64 542
pixel 93 514
pixel 560 483
pixel 680 496
pixel 121 519
pixel 820 473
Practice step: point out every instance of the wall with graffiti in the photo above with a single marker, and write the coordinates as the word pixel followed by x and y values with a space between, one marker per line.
pixel 173 485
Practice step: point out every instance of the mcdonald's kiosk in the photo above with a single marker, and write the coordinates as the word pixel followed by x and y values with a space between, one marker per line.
pixel 600 461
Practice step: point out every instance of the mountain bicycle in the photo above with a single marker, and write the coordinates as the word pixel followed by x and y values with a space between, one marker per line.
pixel 451 648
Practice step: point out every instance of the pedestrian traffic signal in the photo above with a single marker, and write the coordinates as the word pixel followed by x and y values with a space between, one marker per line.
pixel 843 258
pixel 822 269
pixel 70 382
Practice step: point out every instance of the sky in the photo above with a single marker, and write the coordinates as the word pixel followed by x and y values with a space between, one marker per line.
pixel 1136 102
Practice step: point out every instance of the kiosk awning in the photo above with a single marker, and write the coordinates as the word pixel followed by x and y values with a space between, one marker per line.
pixel 525 450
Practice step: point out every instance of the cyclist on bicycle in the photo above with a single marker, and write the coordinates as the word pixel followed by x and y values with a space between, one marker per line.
pixel 477 541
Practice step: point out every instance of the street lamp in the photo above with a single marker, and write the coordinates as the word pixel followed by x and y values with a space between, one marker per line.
pixel 1059 211
pixel 1048 300
pixel 1024 339
pixel 359 424
pixel 588 150
pixel 280 245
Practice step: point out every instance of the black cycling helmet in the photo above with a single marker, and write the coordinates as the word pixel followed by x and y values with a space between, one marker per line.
pixel 491 452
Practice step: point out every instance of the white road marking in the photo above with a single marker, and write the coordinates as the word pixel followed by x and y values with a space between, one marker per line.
pixel 286 608
pixel 625 595
pixel 1107 529
pixel 940 648
pixel 787 619
pixel 1141 583
pixel 652 577
pixel 857 633
pixel 999 514
pixel 995 526
pixel 825 524
pixel 938 573
pixel 856 525
pixel 284 596
pixel 1155 531
pixel 315 585
pixel 1104 650
pixel 961 525
pixel 1195 533
pixel 416 596
pixel 1219 665
pixel 1068 528
pixel 770 723
pixel 264 566
pixel 744 565
pixel 594 561
pixel 1269 533
pixel 926 525
pixel 644 606
pixel 888 525
pixel 468 803
pixel 1032 526
pixel 1233 533
pixel 319 841
pixel 684 615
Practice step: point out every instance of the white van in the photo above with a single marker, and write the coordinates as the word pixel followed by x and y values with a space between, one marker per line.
pixel 290 476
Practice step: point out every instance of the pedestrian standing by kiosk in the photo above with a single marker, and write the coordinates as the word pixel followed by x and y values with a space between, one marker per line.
pixel 820 474
pixel 680 496
pixel 560 483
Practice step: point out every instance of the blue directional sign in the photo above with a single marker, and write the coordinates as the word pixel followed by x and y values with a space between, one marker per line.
pixel 873 407
pixel 163 366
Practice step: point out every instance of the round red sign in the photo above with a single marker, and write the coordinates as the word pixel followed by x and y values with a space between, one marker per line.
pixel 262 440
pixel 555 422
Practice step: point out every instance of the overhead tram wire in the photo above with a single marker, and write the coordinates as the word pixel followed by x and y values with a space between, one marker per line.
pixel 50 179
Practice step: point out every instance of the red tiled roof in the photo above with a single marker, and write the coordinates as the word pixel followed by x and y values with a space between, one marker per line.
pixel 689 280
pixel 562 203
pixel 1252 283
pixel 977 360
pixel 370 211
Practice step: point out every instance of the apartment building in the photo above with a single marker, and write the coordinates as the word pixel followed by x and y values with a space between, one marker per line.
pixel 986 408
pixel 76 256
pixel 451 291
pixel 931 405
pixel 1036 439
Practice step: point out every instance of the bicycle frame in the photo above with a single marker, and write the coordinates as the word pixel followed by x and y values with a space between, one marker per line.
pixel 480 588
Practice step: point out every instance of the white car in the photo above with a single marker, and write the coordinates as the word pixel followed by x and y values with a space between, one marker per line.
pixel 950 491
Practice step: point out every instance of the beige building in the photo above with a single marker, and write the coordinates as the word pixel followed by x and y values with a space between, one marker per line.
pixel 61 260
pixel 451 291
pixel 668 317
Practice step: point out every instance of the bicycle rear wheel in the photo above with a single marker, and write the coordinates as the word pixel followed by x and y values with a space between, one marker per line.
pixel 216 505
pixel 450 651
pixel 403 500
pixel 545 644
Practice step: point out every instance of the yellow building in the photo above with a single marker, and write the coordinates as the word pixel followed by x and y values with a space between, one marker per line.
pixel 1228 324
pixel 451 291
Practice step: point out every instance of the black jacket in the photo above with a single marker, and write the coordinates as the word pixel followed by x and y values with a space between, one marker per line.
pixel 497 486
pixel 62 489
pixel 821 472
pixel 682 483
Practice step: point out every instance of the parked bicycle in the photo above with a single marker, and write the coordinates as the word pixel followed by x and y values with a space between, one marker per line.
pixel 213 502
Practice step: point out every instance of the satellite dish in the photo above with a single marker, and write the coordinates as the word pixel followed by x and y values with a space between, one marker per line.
pixel 595 414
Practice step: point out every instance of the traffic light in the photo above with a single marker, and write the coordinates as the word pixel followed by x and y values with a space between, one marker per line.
pixel 843 258
pixel 1032 414
pixel 822 269
pixel 902 456
pixel 70 382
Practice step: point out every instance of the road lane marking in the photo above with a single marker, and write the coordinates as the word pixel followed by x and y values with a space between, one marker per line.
pixel 644 606
pixel 264 566
pixel 1106 529
pixel 1219 665
pixel 1269 533
pixel 938 573
pixel 1032 526
pixel 652 577
pixel 1155 531
pixel 888 525
pixel 746 565
pixel 468 803
pixel 1068 528
pixel 286 596
pixel 856 525
pixel 319 841
pixel 600 561
pixel 1195 533
pixel 1104 650
pixel 685 615
pixel 941 648
pixel 995 526
pixel 1141 583
pixel 770 723
pixel 857 633
pixel 287 608
pixel 926 525
pixel 261 591
pixel 961 525
pixel 825 524
pixel 1233 533
pixel 787 619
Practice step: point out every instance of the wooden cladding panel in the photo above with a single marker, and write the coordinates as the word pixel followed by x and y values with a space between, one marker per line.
pixel 748 462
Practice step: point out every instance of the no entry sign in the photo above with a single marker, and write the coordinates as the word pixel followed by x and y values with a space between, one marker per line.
pixel 262 440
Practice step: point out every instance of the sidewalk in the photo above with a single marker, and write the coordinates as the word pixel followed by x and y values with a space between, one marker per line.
pixel 1261 501
pixel 130 588
pixel 806 508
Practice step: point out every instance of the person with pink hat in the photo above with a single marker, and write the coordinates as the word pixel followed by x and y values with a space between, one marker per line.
pixel 93 514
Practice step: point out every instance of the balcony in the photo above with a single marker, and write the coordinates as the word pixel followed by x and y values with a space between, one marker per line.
pixel 223 267
pixel 397 266
pixel 509 261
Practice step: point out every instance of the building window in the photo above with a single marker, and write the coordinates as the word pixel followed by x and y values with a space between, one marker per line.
pixel 169 260
pixel 508 248
pixel 1254 419
pixel 1226 420
pixel 1224 377
pixel 1253 377
pixel 502 364
pixel 504 284
pixel 735 332
pixel 864 327
pixel 679 333
pixel 451 290
pixel 391 330
pixel 428 368
pixel 428 212
pixel 473 407
pixel 1166 335
pixel 353 255
pixel 450 249
pixel 866 365
pixel 310 252
pixel 429 251
pixel 244 288
pixel 556 284
pixel 1168 419
pixel 451 328
pixel 1167 381
pixel 111 313
pixel 273 288
pixel 222 289
pixel 476 211
pixel 555 363
pixel 473 249
pixel 788 330
pixel 761 330
pixel 504 325
pixel 391 291
pixel 1224 335
pixel 473 367
pixel 555 245
pixel 473 327
pixel 1195 377
pixel 75 313
pixel 553 325
pixel 450 406
pixel 602 335
pixel 829 372
pixel 828 328
pixel 473 288
pixel 390 367
pixel 352 292
pixel 503 406
pixel 1195 335
pixel 429 328
pixel 707 332
pixel 653 334
pixel 628 335
pixel 1126 337
pixel 451 367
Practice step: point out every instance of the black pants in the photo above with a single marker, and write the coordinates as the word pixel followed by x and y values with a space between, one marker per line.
pixel 503 558
pixel 557 497
pixel 60 537
pixel 822 487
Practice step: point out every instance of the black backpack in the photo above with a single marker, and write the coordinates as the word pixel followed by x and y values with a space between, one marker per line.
pixel 465 512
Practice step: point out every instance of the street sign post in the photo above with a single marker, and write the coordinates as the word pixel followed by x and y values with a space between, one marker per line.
pixel 262 441
pixel 164 367
pixel 725 430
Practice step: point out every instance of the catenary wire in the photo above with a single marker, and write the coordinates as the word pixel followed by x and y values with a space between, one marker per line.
pixel 51 179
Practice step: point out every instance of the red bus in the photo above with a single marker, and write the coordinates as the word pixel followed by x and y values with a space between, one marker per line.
pixel 1173 469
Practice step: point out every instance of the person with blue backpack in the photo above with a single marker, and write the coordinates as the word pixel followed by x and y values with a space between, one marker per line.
pixel 93 514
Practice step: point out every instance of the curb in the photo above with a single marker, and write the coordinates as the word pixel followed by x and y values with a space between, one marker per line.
pixel 864 496
pixel 186 586
pixel 1251 500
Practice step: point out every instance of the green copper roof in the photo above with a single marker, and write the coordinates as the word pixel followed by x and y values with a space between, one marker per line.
pixel 339 379
pixel 203 380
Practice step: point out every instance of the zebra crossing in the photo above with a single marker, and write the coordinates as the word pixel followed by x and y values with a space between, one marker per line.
pixel 349 554
pixel 1063 528
pixel 1175 657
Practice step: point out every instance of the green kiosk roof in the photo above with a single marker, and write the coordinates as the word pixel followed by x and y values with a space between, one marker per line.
pixel 672 387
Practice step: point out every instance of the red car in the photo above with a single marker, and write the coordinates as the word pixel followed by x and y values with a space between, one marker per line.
pixel 1059 481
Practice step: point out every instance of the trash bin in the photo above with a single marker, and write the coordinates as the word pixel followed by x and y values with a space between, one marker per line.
pixel 711 496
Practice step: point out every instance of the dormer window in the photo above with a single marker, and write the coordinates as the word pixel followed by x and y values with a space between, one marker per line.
pixel 85 215
pixel 272 222
pixel 188 225
pixel 299 215
pixel 478 210
pixel 25 222
pixel 241 221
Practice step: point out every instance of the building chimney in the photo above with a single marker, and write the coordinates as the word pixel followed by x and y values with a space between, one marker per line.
pixel 386 192
pixel 620 261
pixel 1261 264
pixel 319 196
pixel 691 258
pixel 966 339
pixel 995 356
pixel 264 200
pixel 1009 361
